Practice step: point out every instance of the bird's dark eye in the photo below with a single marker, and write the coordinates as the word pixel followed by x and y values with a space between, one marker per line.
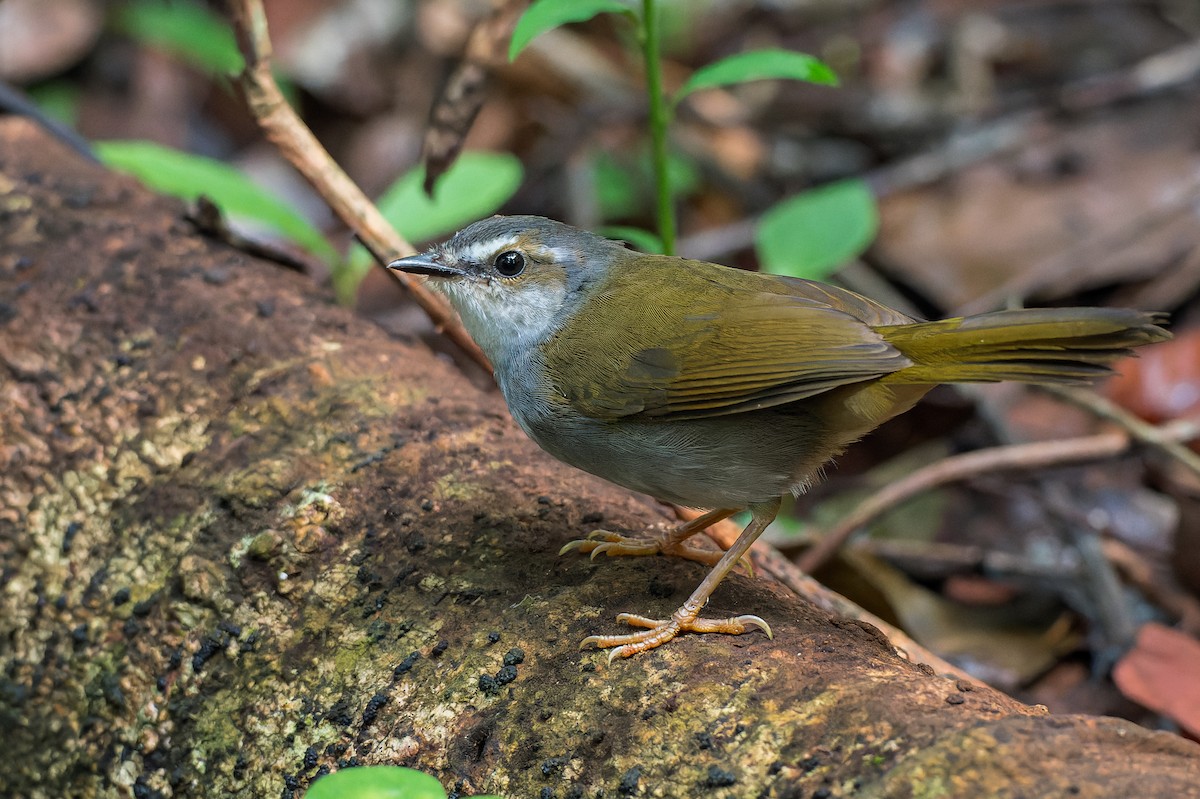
pixel 510 263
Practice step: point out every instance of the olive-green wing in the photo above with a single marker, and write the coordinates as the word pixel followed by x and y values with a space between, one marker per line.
pixel 738 345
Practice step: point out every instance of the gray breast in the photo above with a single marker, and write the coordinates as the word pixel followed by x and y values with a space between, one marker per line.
pixel 729 461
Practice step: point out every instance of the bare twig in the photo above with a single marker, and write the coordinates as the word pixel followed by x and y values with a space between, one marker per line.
pixel 1143 431
pixel 1041 454
pixel 1163 70
pixel 465 90
pixel 1163 593
pixel 958 150
pixel 15 101
pixel 288 132
pixel 1109 609
pixel 207 217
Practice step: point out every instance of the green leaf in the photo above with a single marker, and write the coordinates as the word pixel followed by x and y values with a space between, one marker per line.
pixel 544 15
pixel 625 186
pixel 186 30
pixel 188 176
pixel 642 240
pixel 58 99
pixel 476 185
pixel 376 782
pixel 758 65
pixel 813 233
pixel 618 190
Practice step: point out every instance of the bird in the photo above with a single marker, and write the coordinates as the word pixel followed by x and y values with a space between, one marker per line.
pixel 712 387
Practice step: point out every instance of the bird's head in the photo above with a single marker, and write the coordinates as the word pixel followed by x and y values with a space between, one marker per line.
pixel 515 280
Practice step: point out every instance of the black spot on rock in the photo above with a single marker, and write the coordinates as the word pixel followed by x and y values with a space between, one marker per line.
pixel 629 781
pixel 373 707
pixel 405 666
pixel 506 675
pixel 719 778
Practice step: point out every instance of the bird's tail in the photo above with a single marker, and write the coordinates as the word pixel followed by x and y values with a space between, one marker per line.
pixel 1036 345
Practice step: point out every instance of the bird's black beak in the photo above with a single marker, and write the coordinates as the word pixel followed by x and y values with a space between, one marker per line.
pixel 424 264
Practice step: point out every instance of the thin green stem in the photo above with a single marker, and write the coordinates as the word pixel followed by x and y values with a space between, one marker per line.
pixel 659 117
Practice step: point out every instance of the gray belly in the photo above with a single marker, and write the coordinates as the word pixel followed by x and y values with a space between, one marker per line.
pixel 725 462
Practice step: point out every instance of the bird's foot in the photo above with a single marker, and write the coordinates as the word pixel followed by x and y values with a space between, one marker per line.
pixel 659 632
pixel 605 542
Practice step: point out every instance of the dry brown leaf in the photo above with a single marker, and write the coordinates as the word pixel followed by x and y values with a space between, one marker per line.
pixel 1160 673
pixel 465 91
pixel 1105 201
pixel 1164 383
pixel 993 643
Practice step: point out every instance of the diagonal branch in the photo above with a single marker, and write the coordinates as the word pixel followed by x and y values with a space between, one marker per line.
pixel 284 128
pixel 1158 438
pixel 1040 454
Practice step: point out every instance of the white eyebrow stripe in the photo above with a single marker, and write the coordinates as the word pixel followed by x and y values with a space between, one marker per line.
pixel 484 250
pixel 557 255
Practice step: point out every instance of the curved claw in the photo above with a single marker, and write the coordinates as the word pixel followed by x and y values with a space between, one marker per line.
pixel 589 541
pixel 603 535
pixel 634 620
pixel 627 651
pixel 601 549
pixel 756 621
pixel 571 545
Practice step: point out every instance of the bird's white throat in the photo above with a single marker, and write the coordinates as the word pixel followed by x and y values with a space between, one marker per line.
pixel 502 318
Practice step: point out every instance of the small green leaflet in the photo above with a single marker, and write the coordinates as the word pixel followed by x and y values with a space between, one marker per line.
pixel 476 185
pixel 624 185
pixel 544 15
pixel 758 65
pixel 59 99
pixel 188 176
pixel 185 29
pixel 378 782
pixel 813 233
